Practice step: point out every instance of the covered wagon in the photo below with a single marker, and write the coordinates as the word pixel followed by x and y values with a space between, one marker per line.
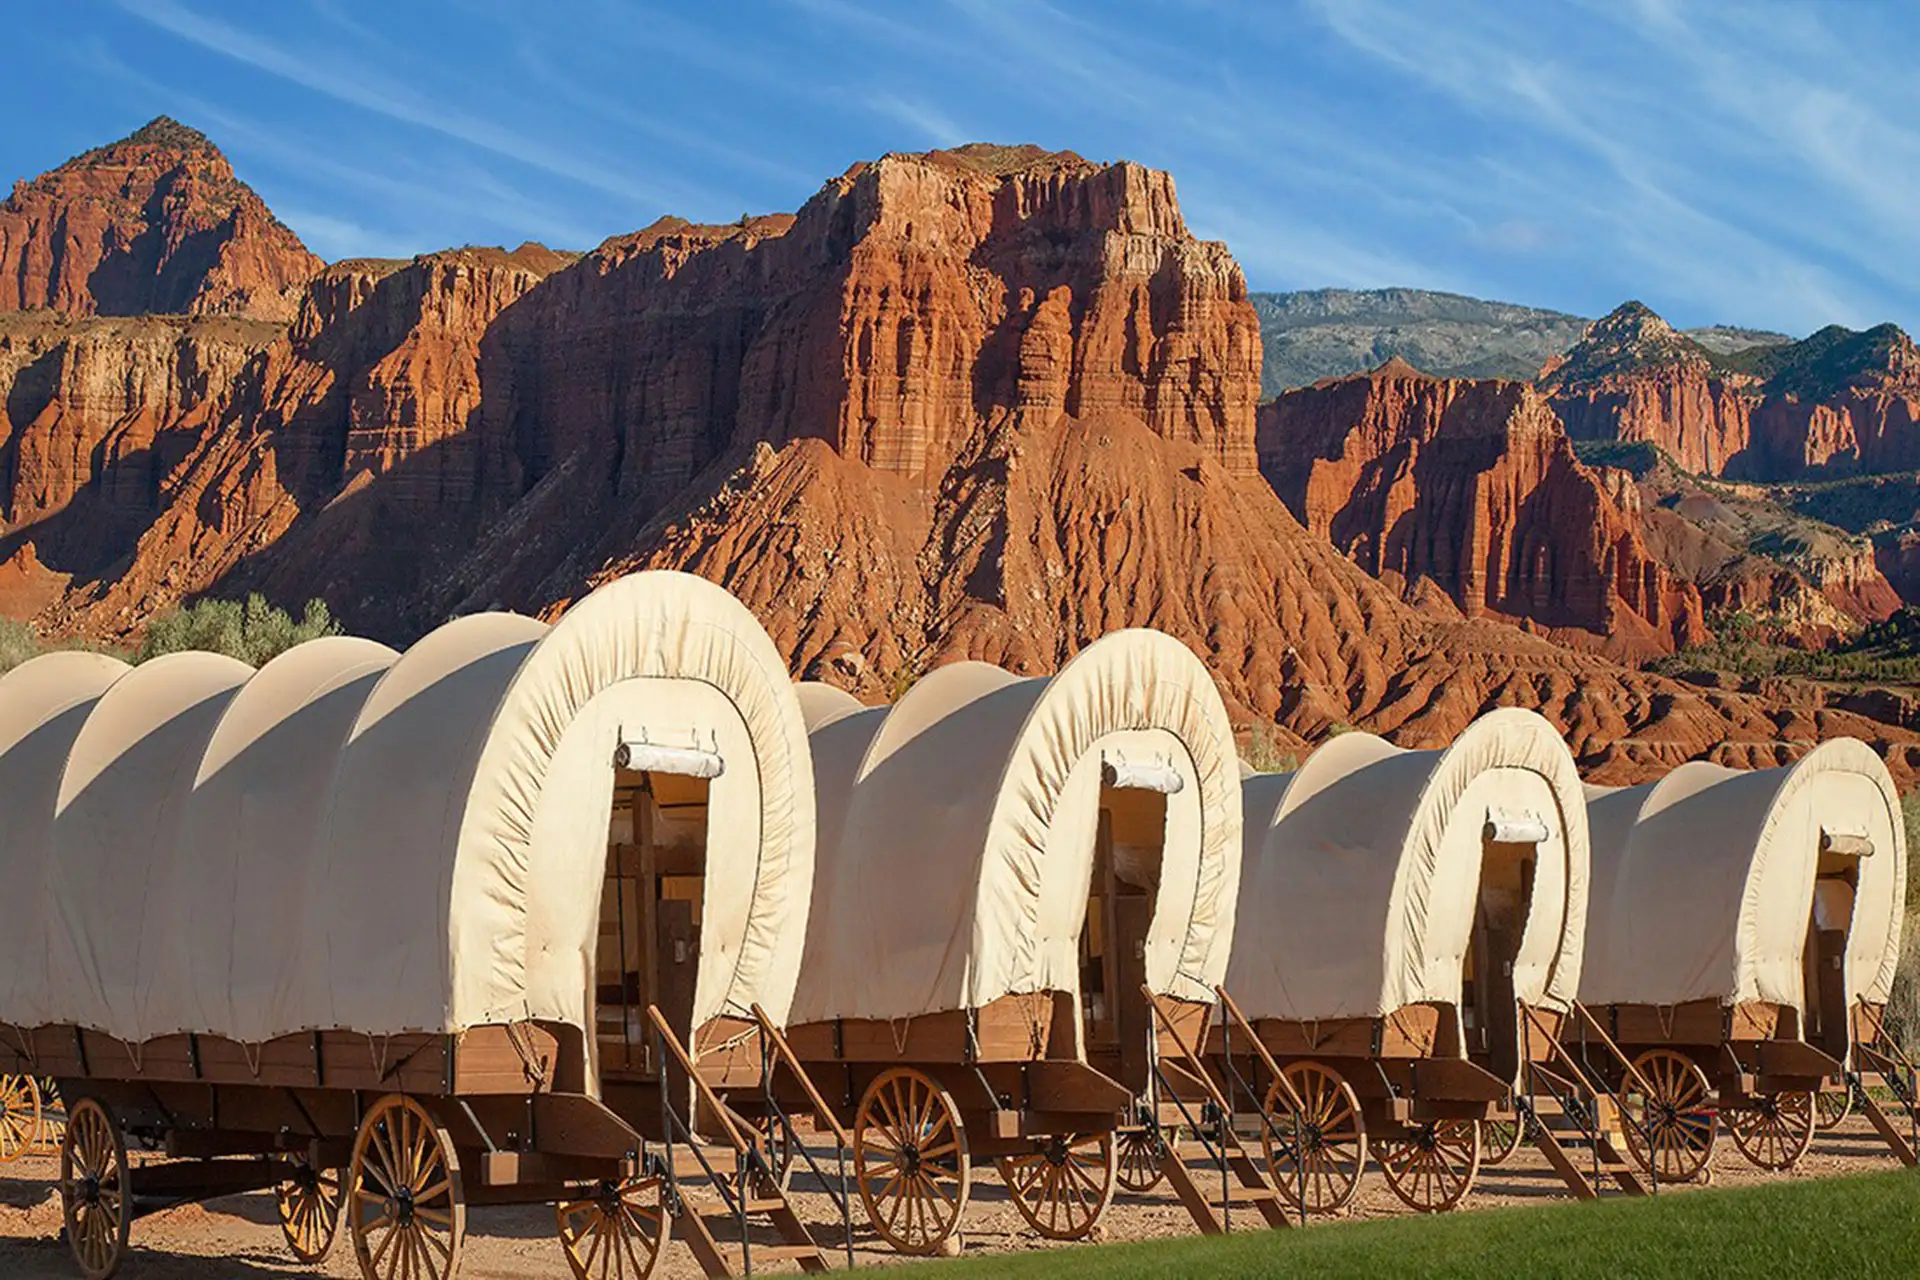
pixel 1744 934
pixel 1007 867
pixel 43 704
pixel 1410 925
pixel 478 925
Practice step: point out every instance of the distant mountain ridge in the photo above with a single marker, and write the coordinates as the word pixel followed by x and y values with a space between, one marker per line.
pixel 1311 334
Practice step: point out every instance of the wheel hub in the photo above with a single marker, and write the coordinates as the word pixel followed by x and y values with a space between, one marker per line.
pixel 1057 1151
pixel 90 1189
pixel 403 1206
pixel 910 1159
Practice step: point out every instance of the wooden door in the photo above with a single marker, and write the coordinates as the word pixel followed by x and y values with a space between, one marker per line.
pixel 1132 918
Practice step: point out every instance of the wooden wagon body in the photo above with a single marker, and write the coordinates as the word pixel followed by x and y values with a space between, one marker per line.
pixel 1007 867
pixel 1746 927
pixel 1406 918
pixel 400 936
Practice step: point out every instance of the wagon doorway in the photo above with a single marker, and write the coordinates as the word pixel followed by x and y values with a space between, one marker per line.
pixel 1490 1005
pixel 1835 887
pixel 652 903
pixel 1130 845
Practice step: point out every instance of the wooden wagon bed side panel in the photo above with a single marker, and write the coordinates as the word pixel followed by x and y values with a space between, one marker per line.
pixel 1700 1023
pixel 484 1060
pixel 1412 1032
pixel 1014 1028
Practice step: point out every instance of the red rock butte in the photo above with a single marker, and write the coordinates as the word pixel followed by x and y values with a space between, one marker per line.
pixel 990 402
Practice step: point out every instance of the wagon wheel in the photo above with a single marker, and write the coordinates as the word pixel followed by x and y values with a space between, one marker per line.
pixel 53 1116
pixel 95 1190
pixel 1063 1186
pixel 1433 1167
pixel 405 1205
pixel 1670 1131
pixel 1321 1152
pixel 1141 1153
pixel 1500 1138
pixel 1832 1107
pixel 617 1233
pixel 1775 1129
pixel 778 1145
pixel 19 1117
pixel 910 1157
pixel 309 1205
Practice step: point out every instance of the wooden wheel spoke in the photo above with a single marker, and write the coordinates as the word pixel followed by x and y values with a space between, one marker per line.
pixel 910 1160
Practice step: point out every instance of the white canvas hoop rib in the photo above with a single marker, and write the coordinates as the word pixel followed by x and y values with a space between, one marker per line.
pixel 958 832
pixel 1363 867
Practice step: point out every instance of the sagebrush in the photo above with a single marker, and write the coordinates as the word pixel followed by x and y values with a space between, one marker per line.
pixel 253 630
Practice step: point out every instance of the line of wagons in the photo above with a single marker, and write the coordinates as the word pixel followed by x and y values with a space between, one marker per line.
pixel 611 916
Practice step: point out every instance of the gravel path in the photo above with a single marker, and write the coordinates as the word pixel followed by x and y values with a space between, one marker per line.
pixel 239 1239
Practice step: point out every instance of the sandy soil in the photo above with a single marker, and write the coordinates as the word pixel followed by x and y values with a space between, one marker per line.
pixel 238 1238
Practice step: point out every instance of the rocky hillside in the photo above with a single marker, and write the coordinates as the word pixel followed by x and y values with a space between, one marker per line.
pixel 1473 486
pixel 1801 581
pixel 1331 333
pixel 988 402
pixel 1838 403
pixel 156 222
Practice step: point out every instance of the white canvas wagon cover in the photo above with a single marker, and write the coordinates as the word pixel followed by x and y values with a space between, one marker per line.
pixel 344 840
pixel 1704 880
pixel 1362 871
pixel 958 831
pixel 460 865
pixel 44 702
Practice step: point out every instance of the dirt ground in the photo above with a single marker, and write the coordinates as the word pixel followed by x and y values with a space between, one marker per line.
pixel 238 1238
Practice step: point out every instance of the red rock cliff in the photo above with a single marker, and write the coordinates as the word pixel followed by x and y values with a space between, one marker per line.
pixel 985 403
pixel 156 222
pixel 1633 378
pixel 1474 485
pixel 1835 404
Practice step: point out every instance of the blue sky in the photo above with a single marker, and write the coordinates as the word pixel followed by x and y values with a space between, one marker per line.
pixel 1728 163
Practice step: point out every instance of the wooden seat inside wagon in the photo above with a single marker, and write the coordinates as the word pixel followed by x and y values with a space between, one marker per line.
pixel 976 983
pixel 1744 936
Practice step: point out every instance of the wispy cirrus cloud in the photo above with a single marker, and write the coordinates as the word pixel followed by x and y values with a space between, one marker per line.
pixel 349 82
pixel 1753 163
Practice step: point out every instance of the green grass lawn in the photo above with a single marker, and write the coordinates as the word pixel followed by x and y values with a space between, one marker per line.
pixel 1844 1228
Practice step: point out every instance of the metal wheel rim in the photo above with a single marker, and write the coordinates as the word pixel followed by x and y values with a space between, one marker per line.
pixel 405 1204
pixel 1777 1132
pixel 1433 1168
pixel 309 1207
pixel 1064 1187
pixel 95 1190
pixel 20 1117
pixel 1327 1150
pixel 1680 1115
pixel 910 1160
pixel 618 1233
pixel 1141 1151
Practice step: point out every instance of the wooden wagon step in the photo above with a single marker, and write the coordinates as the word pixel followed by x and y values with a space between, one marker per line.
pixel 1889 1132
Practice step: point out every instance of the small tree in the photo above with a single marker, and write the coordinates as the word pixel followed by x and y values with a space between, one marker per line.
pixel 254 632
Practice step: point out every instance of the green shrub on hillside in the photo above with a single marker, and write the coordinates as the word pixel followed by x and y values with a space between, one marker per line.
pixel 18 642
pixel 254 632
